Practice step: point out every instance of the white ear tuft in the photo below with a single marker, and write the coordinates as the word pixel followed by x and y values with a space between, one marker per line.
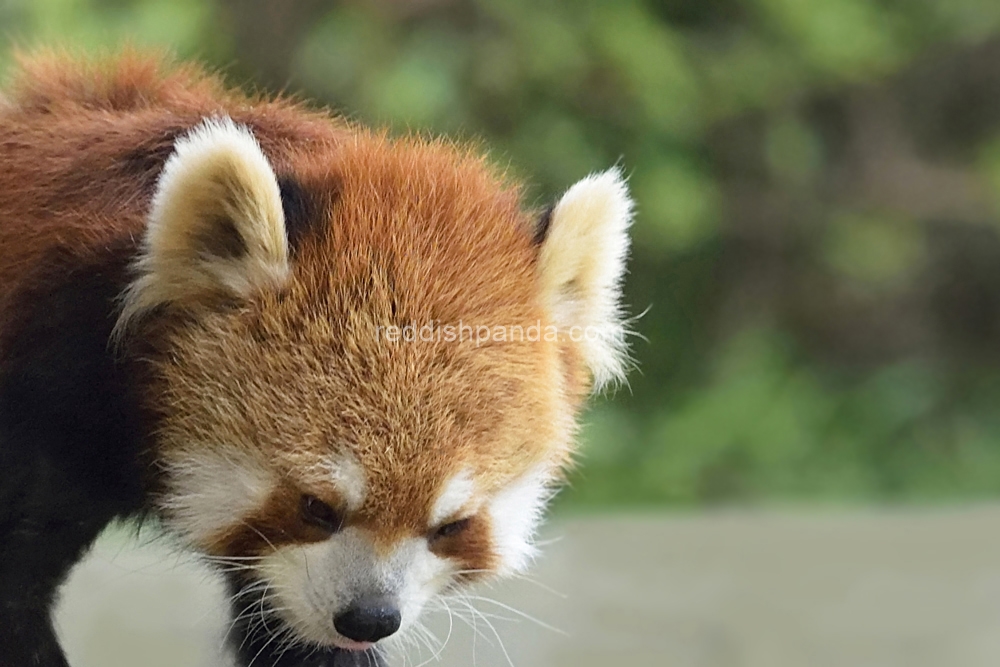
pixel 215 228
pixel 582 263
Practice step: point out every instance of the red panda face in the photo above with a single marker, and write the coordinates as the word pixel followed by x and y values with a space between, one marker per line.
pixel 371 410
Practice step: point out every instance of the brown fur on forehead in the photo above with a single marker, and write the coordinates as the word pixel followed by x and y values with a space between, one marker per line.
pixel 424 232
pixel 416 232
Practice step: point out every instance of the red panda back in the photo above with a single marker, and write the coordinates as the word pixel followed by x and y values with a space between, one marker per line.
pixel 82 143
pixel 53 82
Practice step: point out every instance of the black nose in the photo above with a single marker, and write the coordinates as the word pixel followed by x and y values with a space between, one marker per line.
pixel 368 621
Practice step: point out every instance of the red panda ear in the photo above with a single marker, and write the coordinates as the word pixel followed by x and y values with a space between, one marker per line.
pixel 215 228
pixel 582 262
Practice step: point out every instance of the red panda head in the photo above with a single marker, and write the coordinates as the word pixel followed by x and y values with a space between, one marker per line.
pixel 372 364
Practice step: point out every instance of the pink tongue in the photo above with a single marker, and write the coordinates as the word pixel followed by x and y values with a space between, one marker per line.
pixel 355 646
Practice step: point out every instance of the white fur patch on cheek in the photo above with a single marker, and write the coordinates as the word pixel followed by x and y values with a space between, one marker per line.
pixel 415 575
pixel 312 583
pixel 209 491
pixel 516 512
pixel 307 587
pixel 455 495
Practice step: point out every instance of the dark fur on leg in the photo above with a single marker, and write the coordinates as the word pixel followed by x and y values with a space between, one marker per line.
pixel 69 450
pixel 45 526
pixel 28 639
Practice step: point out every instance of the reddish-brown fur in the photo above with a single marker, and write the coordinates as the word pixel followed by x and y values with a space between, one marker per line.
pixel 417 231
pixel 411 413
pixel 83 144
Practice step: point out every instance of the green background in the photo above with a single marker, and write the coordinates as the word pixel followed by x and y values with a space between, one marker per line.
pixel 817 248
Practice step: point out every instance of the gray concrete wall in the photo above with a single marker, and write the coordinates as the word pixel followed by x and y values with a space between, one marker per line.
pixel 776 589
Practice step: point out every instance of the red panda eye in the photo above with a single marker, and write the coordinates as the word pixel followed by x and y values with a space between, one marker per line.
pixel 319 514
pixel 451 529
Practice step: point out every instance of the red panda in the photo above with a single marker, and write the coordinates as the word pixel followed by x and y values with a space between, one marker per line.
pixel 344 367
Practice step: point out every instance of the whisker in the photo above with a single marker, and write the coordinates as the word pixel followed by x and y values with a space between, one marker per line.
pixel 451 622
pixel 263 648
pixel 471 621
pixel 496 634
pixel 520 613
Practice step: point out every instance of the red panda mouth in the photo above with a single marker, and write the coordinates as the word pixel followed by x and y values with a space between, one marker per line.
pixel 270 648
pixel 260 637
pixel 328 657
pixel 349 645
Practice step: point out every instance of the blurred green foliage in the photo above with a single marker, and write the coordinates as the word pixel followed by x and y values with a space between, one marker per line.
pixel 790 247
